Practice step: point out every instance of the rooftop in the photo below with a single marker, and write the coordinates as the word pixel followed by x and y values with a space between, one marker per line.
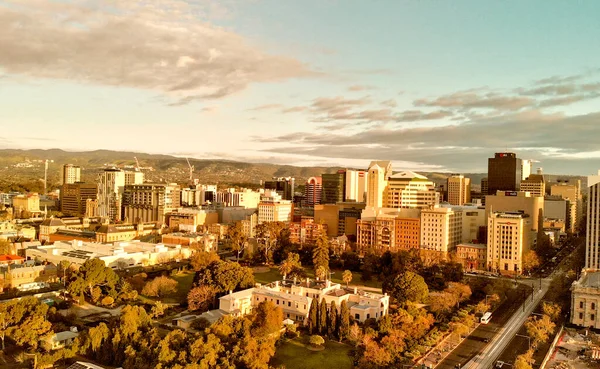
pixel 11 258
pixel 590 280
pixel 407 174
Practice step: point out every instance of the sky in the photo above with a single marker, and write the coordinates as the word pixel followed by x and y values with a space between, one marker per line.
pixel 430 85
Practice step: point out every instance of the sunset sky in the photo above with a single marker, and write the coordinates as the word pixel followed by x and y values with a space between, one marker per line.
pixel 430 85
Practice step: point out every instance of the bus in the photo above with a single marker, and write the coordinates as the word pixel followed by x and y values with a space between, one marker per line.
pixel 485 319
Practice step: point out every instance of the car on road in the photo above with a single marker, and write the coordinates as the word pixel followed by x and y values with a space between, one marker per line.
pixel 499 364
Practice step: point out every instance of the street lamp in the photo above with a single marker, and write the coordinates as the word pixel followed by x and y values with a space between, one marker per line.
pixel 528 339
pixel 486 296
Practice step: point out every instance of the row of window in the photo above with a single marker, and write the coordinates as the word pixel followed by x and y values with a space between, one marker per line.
pixel 582 304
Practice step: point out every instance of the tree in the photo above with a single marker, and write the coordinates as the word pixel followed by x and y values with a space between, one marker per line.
pixel 313 323
pixel 93 273
pixel 158 310
pixel 461 291
pixel 552 310
pixel 5 247
pixel 160 287
pixel 237 238
pixel 316 340
pixel 530 260
pixel 347 277
pixel 290 264
pixel 272 233
pixel 201 297
pixel 524 361
pixel 202 259
pixel 267 319
pixel 321 272
pixel 225 276
pixel 320 254
pixel 323 317
pixel 107 301
pixel 408 286
pixel 441 303
pixel 539 330
pixel 344 321
pixel 384 325
pixel 332 328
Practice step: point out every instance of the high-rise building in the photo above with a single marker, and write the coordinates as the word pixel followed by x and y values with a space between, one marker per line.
pixel 284 186
pixel 592 249
pixel 504 173
pixel 377 181
pixel 74 196
pixel 70 174
pixel 390 231
pixel 410 190
pixel 534 184
pixel 570 190
pixel 484 189
pixel 150 202
pixel 245 198
pixel 313 191
pixel 272 208
pixel 525 168
pixel 334 187
pixel 111 183
pixel 508 240
pixel 514 202
pixel 356 185
pixel 441 231
pixel 459 189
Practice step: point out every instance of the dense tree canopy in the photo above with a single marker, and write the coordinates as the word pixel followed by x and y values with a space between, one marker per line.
pixel 407 286
pixel 94 279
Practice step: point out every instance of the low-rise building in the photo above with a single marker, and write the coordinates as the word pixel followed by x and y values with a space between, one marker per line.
pixel 509 238
pixel 585 300
pixel 124 232
pixel 62 339
pixel 472 256
pixel 117 255
pixel 200 241
pixel 19 275
pixel 306 231
pixel 188 219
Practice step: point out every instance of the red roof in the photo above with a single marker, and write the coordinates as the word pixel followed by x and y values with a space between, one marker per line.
pixel 11 258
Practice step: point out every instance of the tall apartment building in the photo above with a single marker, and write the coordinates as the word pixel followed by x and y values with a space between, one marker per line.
pixel 512 201
pixel 334 187
pixel 111 183
pixel 29 202
pixel 508 240
pixel 526 168
pixel 592 248
pixel 70 174
pixel 245 198
pixel 534 184
pixel 284 186
pixel 74 196
pixel 198 195
pixel 273 209
pixel 410 190
pixel 570 190
pixel 441 231
pixel 313 190
pixel 459 189
pixel 484 189
pixel 356 185
pixel 377 181
pixel 150 202
pixel 504 173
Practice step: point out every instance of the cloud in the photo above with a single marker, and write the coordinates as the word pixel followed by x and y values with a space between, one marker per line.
pixel 167 46
pixel 389 103
pixel 294 109
pixel 360 88
pixel 266 107
pixel 472 100
pixel 417 115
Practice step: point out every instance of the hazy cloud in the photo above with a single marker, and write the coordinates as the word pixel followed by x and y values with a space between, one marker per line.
pixel 165 46
pixel 471 100
pixel 360 88
pixel 389 103
pixel 266 107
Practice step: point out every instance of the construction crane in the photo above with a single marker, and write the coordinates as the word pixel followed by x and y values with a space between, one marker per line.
pixel 191 170
pixel 137 164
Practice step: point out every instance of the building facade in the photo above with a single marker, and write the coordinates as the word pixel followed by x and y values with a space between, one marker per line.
pixel 441 231
pixel 585 300
pixel 410 190
pixel 74 196
pixel 313 190
pixel 504 173
pixel 513 201
pixel 334 187
pixel 284 186
pixel 472 256
pixel 150 202
pixel 570 190
pixel 356 185
pixel 592 247
pixel 508 240
pixel 273 209
pixel 459 189
pixel 70 174
pixel 534 184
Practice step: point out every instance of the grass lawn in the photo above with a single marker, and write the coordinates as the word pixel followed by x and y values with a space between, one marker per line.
pixel 294 354
pixel 273 275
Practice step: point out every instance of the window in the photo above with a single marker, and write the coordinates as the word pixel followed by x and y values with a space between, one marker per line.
pixel 581 304
pixel 580 315
pixel 593 306
pixel 289 303
pixel 356 316
pixel 592 317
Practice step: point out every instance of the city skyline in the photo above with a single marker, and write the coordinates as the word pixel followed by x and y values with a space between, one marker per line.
pixel 430 86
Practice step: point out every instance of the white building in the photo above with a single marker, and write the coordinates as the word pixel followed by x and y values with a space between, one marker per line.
pixel 70 174
pixel 408 189
pixel 459 189
pixel 441 229
pixel 592 247
pixel 115 255
pixel 245 198
pixel 509 237
pixel 295 297
pixel 356 185
pixel 273 209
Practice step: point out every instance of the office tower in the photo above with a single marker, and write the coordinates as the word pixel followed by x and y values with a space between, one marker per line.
pixel 526 168
pixel 441 230
pixel 149 202
pixel 135 177
pixel 377 181
pixel 74 196
pixel 393 232
pixel 484 189
pixel 570 190
pixel 356 185
pixel 504 173
pixel 111 183
pixel 508 240
pixel 334 187
pixel 513 202
pixel 272 208
pixel 283 185
pixel 410 190
pixel 459 189
pixel 534 184
pixel 592 249
pixel 70 174
pixel 313 190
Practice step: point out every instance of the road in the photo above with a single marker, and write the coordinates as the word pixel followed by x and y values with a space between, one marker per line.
pixel 475 342
pixel 502 338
